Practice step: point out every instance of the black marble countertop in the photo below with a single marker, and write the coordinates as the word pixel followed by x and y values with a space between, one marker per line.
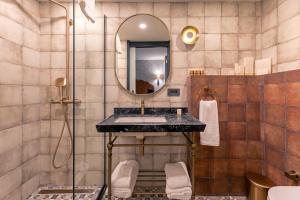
pixel 174 123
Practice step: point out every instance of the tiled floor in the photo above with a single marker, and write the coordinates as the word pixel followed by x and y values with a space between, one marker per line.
pixel 90 194
pixel 95 191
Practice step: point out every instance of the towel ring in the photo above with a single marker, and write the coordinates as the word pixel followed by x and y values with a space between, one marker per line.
pixel 208 94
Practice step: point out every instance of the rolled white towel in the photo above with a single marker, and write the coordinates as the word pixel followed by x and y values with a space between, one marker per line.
pixel 124 178
pixel 177 175
pixel 184 193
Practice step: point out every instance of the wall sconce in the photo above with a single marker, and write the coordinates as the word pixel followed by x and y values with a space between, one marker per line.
pixel 158 77
pixel 189 35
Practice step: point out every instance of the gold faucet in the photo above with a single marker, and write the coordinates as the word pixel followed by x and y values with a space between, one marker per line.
pixel 142 107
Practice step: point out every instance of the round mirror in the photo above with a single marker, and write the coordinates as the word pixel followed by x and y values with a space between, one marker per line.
pixel 142 54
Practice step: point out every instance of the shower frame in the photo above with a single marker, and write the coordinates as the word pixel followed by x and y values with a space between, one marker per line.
pixel 68 23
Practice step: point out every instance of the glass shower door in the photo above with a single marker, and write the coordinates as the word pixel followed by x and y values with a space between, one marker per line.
pixel 88 87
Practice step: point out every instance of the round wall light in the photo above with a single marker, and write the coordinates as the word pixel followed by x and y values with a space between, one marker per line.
pixel 189 35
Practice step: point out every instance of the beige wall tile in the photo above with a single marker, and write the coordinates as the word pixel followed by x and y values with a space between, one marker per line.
pixel 229 25
pixel 213 9
pixel 10 139
pixel 10 95
pixel 179 10
pixel 10 52
pixel 31 75
pixel 289 29
pixel 31 113
pixel 229 58
pixel 289 66
pixel 10 181
pixel 111 9
pixel 247 41
pixel 179 60
pixel 230 9
pixel 229 42
pixel 268 5
pixel 31 57
pixel 212 41
pixel 270 53
pixel 10 160
pixel 289 51
pixel 127 9
pixel 10 117
pixel 247 9
pixel 195 9
pixel 212 24
pixel 31 150
pixel 288 9
pixel 177 24
pixel 11 30
pixel 269 38
pixel 31 94
pixel 31 131
pixel 145 8
pixel 31 39
pixel 195 59
pixel 213 59
pixel 10 73
pixel 247 25
pixel 93 144
pixel 269 20
pixel 162 9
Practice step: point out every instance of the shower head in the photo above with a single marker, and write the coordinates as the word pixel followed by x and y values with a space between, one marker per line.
pixel 61 82
pixel 88 8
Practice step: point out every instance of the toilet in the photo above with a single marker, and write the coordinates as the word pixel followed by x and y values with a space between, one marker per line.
pixel 284 193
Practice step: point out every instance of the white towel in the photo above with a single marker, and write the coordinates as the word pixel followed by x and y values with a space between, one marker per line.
pixel 177 175
pixel 124 178
pixel 208 114
pixel 88 8
pixel 181 193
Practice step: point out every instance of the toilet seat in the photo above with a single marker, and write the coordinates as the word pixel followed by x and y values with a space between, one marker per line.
pixel 284 193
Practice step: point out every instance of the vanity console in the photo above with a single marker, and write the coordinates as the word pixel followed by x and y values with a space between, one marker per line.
pixel 125 120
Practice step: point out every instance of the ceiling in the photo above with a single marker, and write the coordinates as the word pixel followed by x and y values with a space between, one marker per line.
pixel 163 0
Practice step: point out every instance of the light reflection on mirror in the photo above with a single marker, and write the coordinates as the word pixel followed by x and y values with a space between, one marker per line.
pixel 142 54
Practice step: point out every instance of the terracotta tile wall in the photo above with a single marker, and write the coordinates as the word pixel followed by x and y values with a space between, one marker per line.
pixel 260 130
pixel 280 125
pixel 221 170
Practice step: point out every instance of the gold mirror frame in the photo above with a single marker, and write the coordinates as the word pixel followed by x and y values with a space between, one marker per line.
pixel 115 52
pixel 189 29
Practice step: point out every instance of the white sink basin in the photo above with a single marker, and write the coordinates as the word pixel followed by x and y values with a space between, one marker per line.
pixel 141 119
pixel 284 193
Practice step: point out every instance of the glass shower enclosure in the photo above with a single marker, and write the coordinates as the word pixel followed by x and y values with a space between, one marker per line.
pixel 52 96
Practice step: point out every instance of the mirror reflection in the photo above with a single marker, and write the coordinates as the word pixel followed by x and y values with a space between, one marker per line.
pixel 142 54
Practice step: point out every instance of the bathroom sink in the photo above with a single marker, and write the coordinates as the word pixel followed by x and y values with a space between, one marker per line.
pixel 141 119
pixel 284 192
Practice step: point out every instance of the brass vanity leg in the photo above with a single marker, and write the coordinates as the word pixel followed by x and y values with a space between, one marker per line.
pixel 109 148
pixel 193 165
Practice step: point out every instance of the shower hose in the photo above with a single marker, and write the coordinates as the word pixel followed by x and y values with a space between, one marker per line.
pixel 66 121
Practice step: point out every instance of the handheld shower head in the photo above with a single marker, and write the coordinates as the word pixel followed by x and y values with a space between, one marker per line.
pixel 61 83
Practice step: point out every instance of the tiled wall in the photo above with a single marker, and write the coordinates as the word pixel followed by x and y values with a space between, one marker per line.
pixel 280 38
pixel 280 125
pixel 227 34
pixel 22 98
pixel 221 170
